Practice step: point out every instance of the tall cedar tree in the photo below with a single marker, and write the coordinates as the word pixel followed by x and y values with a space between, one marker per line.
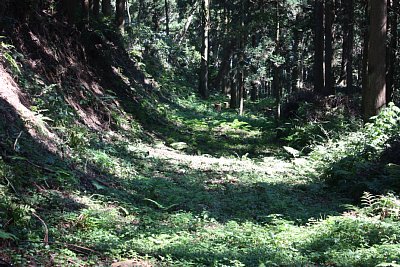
pixel 295 68
pixel 374 98
pixel 365 33
pixel 392 60
pixel 276 88
pixel 348 43
pixel 205 22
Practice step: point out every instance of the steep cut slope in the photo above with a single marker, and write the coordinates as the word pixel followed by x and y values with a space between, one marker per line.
pixel 62 90
pixel 12 95
pixel 88 67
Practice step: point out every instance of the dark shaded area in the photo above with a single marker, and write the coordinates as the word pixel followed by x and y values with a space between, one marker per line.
pixel 318 105
pixel 392 152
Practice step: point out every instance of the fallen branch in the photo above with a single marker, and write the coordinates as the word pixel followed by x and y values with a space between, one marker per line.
pixel 46 229
pixel 16 141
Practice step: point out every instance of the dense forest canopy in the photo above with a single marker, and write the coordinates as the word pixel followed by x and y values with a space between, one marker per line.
pixel 199 133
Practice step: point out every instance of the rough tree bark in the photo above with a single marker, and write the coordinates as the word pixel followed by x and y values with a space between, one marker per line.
pixel 227 52
pixel 392 60
pixel 374 97
pixel 295 68
pixel 365 49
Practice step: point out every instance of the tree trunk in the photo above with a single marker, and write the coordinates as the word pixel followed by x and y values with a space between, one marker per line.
pixel 155 17
pixel 329 17
pixel 303 55
pixel 96 8
pixel 187 23
pixel 225 61
pixel 166 5
pixel 234 91
pixel 392 61
pixel 375 96
pixel 255 90
pixel 365 50
pixel 319 47
pixel 120 14
pixel 106 7
pixel 128 13
pixel 276 83
pixel 295 68
pixel 205 18
pixel 226 83
pixel 348 43
pixel 242 44
pixel 241 92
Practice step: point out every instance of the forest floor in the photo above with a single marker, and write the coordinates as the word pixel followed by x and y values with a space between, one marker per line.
pixel 100 165
pixel 215 189
pixel 165 206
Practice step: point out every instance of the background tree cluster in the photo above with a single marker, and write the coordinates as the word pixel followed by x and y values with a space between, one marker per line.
pixel 277 48
pixel 266 47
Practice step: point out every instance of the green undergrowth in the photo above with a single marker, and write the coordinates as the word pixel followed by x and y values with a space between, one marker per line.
pixel 200 188
pixel 364 160
pixel 220 133
pixel 316 120
pixel 127 199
